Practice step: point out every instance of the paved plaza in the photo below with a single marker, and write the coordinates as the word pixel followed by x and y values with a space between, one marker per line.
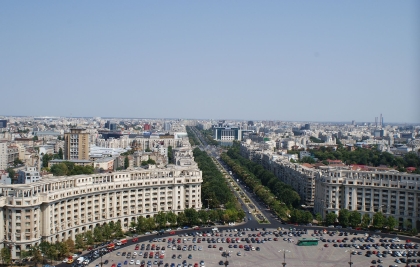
pixel 269 255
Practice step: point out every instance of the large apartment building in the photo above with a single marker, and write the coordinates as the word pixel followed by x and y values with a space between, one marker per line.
pixel 3 155
pixel 393 193
pixel 329 190
pixel 55 209
pixel 76 144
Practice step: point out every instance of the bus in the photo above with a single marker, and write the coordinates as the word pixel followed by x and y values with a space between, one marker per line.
pixel 308 242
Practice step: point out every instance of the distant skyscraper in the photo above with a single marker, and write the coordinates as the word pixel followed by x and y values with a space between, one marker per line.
pixel 353 122
pixel 167 126
pixel 76 144
pixel 146 127
pixel 113 126
pixel 380 120
pixel 3 123
pixel 3 155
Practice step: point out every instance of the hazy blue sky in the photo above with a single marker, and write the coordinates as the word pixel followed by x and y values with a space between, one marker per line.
pixel 278 60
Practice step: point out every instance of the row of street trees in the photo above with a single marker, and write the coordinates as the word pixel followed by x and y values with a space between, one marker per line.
pixel 100 233
pixel 355 219
pixel 192 138
pixel 44 251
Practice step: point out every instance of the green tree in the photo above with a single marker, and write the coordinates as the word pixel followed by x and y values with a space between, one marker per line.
pixel 181 219
pixel 344 217
pixel 150 223
pixel 60 153
pixel 126 162
pixel 70 245
pixel 214 216
pixel 308 218
pixel 171 218
pixel 35 252
pixel 170 156
pixel 59 169
pixel 106 231
pixel 118 232
pixel 318 218
pixel 89 237
pixel 6 256
pixel 192 216
pixel 203 215
pixel 391 223
pixel 17 162
pixel 35 138
pixel 309 160
pixel 141 224
pixel 44 246
pixel 80 244
pixel 161 219
pixel 379 220
pixel 24 254
pixel 97 233
pixel 45 159
pixel 62 248
pixel 355 218
pixel 331 218
pixel 407 224
pixel 11 172
pixel 111 225
pixel 366 220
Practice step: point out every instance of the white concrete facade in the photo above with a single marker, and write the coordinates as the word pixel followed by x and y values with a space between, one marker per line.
pixel 55 209
pixel 393 193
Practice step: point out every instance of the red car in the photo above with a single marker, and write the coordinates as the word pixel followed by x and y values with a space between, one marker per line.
pixel 135 239
pixel 113 265
pixel 326 245
pixel 172 232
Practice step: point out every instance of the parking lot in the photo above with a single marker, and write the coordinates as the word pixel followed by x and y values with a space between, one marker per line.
pixel 266 248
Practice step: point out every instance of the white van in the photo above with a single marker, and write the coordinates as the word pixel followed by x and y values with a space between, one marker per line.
pixel 80 260
pixel 215 229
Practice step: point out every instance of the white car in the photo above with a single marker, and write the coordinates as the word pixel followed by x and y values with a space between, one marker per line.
pixel 135 253
pixel 131 262
pixel 137 262
pixel 65 260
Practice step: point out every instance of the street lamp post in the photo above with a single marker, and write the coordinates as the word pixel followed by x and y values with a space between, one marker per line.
pixel 208 203
pixel 226 255
pixel 11 245
pixel 284 256
pixel 351 253
pixel 101 252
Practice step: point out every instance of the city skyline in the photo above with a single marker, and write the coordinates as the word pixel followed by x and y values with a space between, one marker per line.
pixel 320 62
